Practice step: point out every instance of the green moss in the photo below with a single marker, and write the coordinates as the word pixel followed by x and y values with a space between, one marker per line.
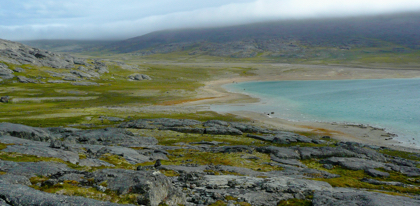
pixel 350 178
pixel 219 203
pixel 402 154
pixel 72 188
pixel 295 202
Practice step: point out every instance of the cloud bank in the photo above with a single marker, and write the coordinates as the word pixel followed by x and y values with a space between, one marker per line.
pixel 106 19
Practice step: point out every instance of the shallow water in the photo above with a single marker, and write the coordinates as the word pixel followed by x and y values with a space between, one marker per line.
pixel 393 104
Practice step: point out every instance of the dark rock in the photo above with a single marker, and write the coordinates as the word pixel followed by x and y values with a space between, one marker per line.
pixel 376 173
pixel 233 149
pixel 364 198
pixel 5 99
pixel 328 166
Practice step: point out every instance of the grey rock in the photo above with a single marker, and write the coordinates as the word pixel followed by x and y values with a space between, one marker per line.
pixel 293 162
pixel 102 69
pixel 25 132
pixel 184 169
pixel 32 169
pixel 354 163
pixel 377 182
pixel 185 129
pixel 15 179
pixel 328 166
pixel 23 195
pixel 159 123
pixel 85 84
pixel 280 152
pixel 5 72
pixel 44 151
pixel 19 70
pixel 80 74
pixel 324 152
pixel 152 187
pixel 376 173
pixel 23 79
pixel 364 198
pixel 131 155
pixel 139 77
pixel 410 171
pixel 90 162
pixel 220 130
pixel 108 136
pixel 71 177
pixel 80 61
pixel 56 81
pixel 17 53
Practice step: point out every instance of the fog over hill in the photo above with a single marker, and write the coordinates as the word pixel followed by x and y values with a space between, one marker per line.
pixel 401 32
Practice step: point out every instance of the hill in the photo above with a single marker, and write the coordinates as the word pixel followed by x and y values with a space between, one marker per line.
pixel 345 38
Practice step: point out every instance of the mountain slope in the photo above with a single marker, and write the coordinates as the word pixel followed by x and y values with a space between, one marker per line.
pixel 297 38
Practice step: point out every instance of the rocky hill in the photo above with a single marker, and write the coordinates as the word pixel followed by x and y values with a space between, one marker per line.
pixel 320 38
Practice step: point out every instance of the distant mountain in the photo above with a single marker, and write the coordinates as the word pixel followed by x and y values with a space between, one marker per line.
pixel 68 45
pixel 398 33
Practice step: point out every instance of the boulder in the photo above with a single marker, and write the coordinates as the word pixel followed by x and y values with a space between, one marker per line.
pixel 280 152
pixel 25 132
pixel 5 99
pixel 152 187
pixel 23 79
pixel 139 77
pixel 5 72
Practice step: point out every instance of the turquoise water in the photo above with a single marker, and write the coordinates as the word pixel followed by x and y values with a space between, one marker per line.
pixel 393 104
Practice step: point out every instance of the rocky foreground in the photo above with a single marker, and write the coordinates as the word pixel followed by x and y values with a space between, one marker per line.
pixel 112 166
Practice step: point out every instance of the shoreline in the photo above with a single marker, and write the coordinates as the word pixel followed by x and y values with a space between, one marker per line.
pixel 343 132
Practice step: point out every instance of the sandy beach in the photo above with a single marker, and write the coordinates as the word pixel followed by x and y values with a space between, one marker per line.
pixel 213 93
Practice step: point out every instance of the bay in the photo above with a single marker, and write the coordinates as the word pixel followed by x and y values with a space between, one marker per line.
pixel 393 104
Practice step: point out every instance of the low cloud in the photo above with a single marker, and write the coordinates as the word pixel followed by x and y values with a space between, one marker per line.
pixel 106 19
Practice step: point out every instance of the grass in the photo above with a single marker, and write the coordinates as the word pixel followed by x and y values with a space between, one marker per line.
pixel 171 85
pixel 350 178
pixel 72 188
pixel 295 202
pixel 402 154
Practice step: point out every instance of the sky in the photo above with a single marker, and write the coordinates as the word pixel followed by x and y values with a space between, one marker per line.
pixel 122 19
